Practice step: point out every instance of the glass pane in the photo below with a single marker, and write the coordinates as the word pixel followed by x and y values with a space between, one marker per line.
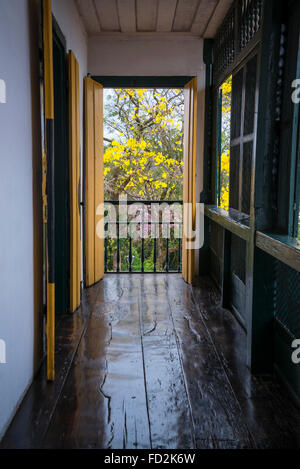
pixel 225 90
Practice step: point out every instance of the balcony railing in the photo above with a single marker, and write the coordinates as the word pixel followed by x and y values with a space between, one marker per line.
pixel 146 242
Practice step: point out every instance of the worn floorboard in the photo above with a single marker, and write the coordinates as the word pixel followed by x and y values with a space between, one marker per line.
pixel 169 410
pixel 150 362
pixel 217 414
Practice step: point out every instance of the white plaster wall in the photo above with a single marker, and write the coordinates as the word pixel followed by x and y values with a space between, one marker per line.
pixel 16 194
pixel 145 56
pixel 16 208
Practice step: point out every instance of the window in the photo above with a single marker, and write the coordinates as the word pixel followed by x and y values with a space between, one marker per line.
pixel 296 215
pixel 224 142
pixel 236 130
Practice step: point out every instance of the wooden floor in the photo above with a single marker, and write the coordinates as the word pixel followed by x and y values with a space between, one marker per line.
pixel 149 362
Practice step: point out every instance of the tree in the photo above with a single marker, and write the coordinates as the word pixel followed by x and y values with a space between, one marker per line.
pixel 225 143
pixel 143 134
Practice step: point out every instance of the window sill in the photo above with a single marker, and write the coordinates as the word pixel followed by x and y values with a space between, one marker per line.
pixel 284 248
pixel 232 220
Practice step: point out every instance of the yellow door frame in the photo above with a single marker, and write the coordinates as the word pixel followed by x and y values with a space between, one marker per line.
pixel 189 176
pixel 48 184
pixel 93 183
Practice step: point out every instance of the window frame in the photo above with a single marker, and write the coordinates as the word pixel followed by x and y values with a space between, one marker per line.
pixel 294 203
pixel 218 126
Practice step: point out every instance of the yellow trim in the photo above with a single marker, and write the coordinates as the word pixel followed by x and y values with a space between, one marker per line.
pixel 189 182
pixel 94 181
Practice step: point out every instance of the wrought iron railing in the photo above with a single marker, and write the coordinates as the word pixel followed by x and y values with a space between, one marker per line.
pixel 156 246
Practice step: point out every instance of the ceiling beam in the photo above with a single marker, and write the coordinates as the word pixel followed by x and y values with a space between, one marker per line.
pixel 185 13
pixel 165 15
pixel 86 9
pixel 146 12
pixel 127 16
pixel 108 14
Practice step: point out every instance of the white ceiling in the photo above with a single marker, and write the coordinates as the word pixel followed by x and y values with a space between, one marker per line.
pixel 139 17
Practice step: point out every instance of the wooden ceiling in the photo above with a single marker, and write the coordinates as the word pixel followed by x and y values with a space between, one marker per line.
pixel 190 17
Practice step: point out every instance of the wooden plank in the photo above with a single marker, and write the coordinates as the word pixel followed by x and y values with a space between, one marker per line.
pixel 192 170
pixel 104 402
pixel 203 16
pixel 94 183
pixel 89 16
pixel 167 398
pixel 108 15
pixel 127 17
pixel 89 183
pixel 216 412
pixel 231 221
pixel 99 397
pixel 185 13
pixel 284 248
pixel 189 180
pixel 146 15
pixel 187 103
pixel 165 15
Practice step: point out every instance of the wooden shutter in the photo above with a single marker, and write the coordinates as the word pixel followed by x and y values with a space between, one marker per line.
pixel 94 182
pixel 74 146
pixel 48 183
pixel 189 180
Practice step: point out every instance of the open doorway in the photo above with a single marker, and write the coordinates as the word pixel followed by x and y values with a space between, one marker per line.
pixel 149 158
pixel 143 162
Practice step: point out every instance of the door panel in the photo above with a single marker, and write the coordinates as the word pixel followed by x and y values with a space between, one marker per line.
pixel 189 180
pixel 94 183
pixel 61 171
pixel 74 144
pixel 48 184
pixel 99 181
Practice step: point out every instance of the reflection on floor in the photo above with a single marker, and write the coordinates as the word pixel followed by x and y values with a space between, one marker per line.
pixel 149 362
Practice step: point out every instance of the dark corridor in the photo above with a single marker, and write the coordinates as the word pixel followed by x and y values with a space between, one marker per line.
pixel 150 362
